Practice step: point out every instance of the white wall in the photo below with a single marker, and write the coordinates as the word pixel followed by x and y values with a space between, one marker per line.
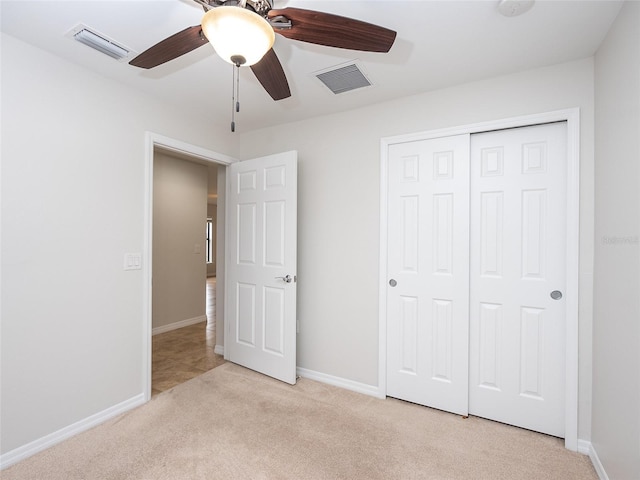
pixel 73 152
pixel 616 342
pixel 338 192
pixel 179 257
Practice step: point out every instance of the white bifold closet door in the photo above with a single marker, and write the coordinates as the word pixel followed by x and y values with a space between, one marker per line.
pixel 476 262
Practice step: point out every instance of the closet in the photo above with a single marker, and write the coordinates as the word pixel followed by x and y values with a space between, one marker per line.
pixel 476 247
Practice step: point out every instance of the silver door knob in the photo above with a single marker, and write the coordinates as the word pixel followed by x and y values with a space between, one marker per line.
pixel 285 279
pixel 556 294
pixel 393 283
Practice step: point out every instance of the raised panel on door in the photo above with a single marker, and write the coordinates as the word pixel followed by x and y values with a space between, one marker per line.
pixel 427 309
pixel 518 242
pixel 273 320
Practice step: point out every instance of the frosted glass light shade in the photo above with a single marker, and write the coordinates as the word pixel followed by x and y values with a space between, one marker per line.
pixel 236 31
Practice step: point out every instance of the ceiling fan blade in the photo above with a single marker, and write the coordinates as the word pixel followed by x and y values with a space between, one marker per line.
pixel 271 75
pixel 172 47
pixel 333 30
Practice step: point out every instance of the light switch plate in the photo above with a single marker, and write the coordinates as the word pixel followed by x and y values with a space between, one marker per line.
pixel 132 261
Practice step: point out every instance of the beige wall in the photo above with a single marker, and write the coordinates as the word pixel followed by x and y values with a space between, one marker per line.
pixel 212 212
pixel 338 207
pixel 179 257
pixel 616 334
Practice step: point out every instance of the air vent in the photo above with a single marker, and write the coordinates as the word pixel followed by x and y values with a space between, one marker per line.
pixel 343 78
pixel 100 42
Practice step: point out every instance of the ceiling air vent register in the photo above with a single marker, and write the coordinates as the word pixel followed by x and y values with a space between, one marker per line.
pixel 343 78
pixel 100 42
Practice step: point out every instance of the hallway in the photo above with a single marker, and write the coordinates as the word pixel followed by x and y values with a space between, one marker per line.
pixel 185 353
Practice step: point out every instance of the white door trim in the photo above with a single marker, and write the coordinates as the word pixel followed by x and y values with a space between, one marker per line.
pixel 572 117
pixel 152 141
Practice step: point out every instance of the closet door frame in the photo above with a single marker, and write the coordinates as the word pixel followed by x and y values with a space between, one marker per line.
pixel 572 117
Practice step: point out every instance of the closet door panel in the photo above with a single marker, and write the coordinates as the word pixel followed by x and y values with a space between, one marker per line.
pixel 428 266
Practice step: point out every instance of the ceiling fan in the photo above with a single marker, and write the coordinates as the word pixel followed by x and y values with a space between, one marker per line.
pixel 242 33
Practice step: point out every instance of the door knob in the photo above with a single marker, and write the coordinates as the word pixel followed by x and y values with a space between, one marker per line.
pixel 556 294
pixel 286 278
pixel 392 282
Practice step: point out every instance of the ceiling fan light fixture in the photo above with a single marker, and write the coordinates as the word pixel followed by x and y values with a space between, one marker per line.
pixel 513 8
pixel 237 32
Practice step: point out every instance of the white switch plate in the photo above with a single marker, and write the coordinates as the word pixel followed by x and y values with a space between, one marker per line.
pixel 132 261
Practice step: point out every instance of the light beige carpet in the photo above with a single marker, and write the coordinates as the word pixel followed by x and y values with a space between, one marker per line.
pixel 232 423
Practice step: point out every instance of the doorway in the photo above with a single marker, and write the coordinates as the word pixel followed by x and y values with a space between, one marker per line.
pixel 183 302
pixel 448 363
pixel 193 154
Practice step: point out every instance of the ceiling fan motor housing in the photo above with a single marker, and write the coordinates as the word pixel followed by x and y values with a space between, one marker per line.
pixel 261 7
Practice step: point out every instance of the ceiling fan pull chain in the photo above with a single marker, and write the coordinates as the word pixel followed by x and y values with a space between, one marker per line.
pixel 238 88
pixel 233 99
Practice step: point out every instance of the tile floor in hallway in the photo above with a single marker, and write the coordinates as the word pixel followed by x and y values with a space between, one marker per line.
pixel 185 353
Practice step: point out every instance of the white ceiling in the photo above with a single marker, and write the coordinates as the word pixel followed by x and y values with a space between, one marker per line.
pixel 439 43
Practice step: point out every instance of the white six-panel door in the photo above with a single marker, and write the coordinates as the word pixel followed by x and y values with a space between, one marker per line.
pixel 476 246
pixel 261 270
pixel 518 238
pixel 428 268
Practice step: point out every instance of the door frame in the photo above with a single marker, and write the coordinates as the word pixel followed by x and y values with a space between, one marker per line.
pixel 572 117
pixel 189 152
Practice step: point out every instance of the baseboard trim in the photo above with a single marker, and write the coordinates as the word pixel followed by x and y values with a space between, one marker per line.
pixel 595 460
pixel 219 350
pixel 177 325
pixel 370 390
pixel 14 456
pixel 584 447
